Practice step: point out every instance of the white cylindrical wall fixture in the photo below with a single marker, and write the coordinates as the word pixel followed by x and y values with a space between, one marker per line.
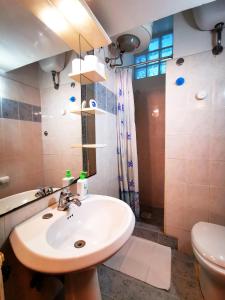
pixel 201 95
pixel 4 179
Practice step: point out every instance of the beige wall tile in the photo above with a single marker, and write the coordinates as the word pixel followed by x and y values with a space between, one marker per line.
pixel 175 171
pixel 217 148
pixel 175 121
pixel 176 195
pixel 218 122
pixel 12 146
pixel 219 94
pixel 200 192
pixel 198 197
pixel 217 205
pixel 197 147
pixel 20 141
pixel 217 173
pixel 197 171
pixel 198 121
pixel 195 215
pixel 176 146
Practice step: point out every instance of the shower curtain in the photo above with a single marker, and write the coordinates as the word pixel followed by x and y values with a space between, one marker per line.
pixel 126 141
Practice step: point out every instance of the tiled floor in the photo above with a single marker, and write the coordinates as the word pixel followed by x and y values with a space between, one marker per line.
pixel 154 234
pixel 117 286
pixel 153 216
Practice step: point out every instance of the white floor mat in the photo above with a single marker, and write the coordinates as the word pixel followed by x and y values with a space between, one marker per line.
pixel 144 260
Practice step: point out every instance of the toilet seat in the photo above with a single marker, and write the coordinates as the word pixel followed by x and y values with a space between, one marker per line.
pixel 208 242
pixel 211 267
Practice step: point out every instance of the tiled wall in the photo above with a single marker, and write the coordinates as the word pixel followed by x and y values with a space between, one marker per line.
pixel 20 131
pixel 63 127
pixel 195 145
pixel 105 98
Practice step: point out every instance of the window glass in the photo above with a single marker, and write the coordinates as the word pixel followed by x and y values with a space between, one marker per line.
pixel 166 52
pixel 160 49
pixel 167 40
pixel 163 67
pixel 154 44
pixel 153 70
pixel 153 55
pixel 140 58
pixel 140 73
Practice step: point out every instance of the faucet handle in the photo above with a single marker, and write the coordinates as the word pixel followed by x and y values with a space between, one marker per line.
pixel 40 193
pixel 75 200
pixel 48 190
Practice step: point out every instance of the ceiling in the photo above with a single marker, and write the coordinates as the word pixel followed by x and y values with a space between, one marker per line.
pixel 24 39
pixel 117 16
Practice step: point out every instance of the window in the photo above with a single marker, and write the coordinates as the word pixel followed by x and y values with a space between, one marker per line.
pixel 160 50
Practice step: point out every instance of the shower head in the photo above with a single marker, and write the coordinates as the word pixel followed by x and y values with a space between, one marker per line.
pixel 128 42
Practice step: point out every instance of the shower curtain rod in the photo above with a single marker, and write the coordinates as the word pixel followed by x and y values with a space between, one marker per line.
pixel 144 63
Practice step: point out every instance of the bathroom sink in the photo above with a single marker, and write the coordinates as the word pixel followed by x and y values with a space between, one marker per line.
pixel 75 239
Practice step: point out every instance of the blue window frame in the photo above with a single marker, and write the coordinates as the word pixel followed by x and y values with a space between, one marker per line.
pixel 160 49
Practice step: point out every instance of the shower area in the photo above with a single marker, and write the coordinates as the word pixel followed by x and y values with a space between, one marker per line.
pixel 149 99
pixel 149 85
pixel 145 50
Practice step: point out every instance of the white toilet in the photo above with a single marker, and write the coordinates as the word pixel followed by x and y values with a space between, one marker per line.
pixel 208 242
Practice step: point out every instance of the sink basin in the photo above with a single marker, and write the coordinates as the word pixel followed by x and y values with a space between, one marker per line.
pixel 47 245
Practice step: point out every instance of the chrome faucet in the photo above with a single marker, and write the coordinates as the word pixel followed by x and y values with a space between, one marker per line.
pixel 42 192
pixel 66 198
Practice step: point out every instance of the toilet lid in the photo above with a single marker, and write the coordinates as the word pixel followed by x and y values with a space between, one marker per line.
pixel 209 240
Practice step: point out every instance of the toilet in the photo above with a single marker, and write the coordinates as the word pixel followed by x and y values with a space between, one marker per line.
pixel 208 243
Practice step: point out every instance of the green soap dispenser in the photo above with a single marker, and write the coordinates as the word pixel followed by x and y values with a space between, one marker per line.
pixel 82 186
pixel 68 179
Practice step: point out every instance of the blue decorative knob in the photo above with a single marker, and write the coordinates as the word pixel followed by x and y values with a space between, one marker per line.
pixel 72 99
pixel 180 81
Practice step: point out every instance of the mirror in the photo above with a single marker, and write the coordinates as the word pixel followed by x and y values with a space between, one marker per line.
pixel 37 131
pixel 37 128
pixel 43 129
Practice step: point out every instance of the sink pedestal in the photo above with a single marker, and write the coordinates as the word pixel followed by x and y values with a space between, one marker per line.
pixel 82 285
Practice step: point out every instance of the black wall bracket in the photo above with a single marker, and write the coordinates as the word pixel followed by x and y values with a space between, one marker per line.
pixel 218 30
pixel 55 79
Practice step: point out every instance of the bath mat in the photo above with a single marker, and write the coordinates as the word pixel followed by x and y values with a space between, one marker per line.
pixel 144 260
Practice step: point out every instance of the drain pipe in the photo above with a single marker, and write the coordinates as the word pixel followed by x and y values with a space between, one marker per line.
pixel 218 29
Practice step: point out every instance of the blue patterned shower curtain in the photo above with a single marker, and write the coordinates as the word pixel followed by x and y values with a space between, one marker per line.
pixel 126 141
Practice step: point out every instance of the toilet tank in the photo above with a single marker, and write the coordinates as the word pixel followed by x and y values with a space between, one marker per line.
pixel 208 15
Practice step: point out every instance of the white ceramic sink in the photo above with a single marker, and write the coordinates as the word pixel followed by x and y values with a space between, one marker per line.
pixel 47 245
